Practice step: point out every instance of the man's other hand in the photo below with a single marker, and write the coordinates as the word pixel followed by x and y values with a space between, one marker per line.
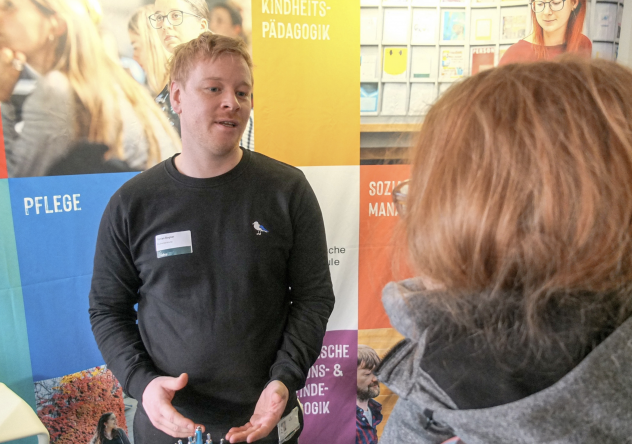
pixel 157 399
pixel 267 415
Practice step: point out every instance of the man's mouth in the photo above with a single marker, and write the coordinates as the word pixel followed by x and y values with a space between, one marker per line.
pixel 227 123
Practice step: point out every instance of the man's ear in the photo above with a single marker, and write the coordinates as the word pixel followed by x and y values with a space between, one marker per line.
pixel 175 90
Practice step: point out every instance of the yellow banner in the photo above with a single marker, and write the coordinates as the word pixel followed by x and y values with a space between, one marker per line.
pixel 307 60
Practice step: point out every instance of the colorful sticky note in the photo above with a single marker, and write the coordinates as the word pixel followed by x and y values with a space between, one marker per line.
pixel 395 60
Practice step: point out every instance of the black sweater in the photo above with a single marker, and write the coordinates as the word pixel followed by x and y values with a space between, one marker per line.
pixel 238 311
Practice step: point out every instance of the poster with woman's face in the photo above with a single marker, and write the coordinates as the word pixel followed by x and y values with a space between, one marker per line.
pixel 557 27
pixel 82 80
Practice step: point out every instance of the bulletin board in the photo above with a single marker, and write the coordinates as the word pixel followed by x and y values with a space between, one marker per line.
pixel 413 50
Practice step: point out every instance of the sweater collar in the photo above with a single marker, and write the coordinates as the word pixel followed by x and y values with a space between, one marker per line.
pixel 210 182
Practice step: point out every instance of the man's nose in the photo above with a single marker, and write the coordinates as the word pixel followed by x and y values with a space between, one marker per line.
pixel 230 101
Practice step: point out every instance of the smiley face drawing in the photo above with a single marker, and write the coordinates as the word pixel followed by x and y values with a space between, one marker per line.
pixel 395 60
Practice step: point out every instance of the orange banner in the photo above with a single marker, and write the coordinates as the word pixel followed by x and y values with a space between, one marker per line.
pixel 378 218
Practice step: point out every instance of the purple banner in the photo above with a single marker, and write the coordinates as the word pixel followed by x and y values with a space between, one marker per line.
pixel 329 396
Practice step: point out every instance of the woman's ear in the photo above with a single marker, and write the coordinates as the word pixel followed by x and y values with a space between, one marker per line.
pixel 204 24
pixel 58 25
pixel 575 4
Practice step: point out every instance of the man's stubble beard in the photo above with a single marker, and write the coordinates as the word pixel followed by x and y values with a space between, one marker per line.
pixel 368 393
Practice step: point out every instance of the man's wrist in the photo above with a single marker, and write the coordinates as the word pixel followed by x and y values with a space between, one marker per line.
pixel 138 381
pixel 279 382
pixel 288 375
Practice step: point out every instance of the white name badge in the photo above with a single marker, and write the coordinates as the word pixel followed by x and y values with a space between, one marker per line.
pixel 288 426
pixel 172 244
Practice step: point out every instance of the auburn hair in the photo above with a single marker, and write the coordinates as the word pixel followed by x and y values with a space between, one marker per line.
pixel 208 46
pixel 521 195
pixel 573 35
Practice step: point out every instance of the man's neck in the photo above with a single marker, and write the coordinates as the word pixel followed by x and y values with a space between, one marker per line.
pixel 364 405
pixel 203 165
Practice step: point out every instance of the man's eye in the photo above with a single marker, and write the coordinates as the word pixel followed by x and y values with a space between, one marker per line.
pixel 242 94
pixel 213 89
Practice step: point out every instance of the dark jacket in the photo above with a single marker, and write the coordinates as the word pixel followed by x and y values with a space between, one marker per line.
pixel 591 403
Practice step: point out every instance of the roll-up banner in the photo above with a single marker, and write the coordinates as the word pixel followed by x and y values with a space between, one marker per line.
pixel 306 64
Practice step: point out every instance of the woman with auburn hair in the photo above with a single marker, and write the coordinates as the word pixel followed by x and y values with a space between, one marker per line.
pixel 108 431
pixel 557 28
pixel 148 50
pixel 517 220
pixel 81 96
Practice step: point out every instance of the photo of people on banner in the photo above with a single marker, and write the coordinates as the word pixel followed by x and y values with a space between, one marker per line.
pixel 78 99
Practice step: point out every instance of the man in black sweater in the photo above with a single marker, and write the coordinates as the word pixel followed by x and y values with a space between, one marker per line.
pixel 224 252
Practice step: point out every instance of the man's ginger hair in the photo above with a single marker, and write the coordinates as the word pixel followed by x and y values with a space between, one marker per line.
pixel 206 46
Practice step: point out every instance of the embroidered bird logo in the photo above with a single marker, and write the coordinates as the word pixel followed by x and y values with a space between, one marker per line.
pixel 260 228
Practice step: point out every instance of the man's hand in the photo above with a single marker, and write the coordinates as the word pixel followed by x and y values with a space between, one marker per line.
pixel 157 399
pixel 267 415
pixel 10 66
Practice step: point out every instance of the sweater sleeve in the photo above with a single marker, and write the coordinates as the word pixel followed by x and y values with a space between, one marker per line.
pixel 311 293
pixel 113 294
